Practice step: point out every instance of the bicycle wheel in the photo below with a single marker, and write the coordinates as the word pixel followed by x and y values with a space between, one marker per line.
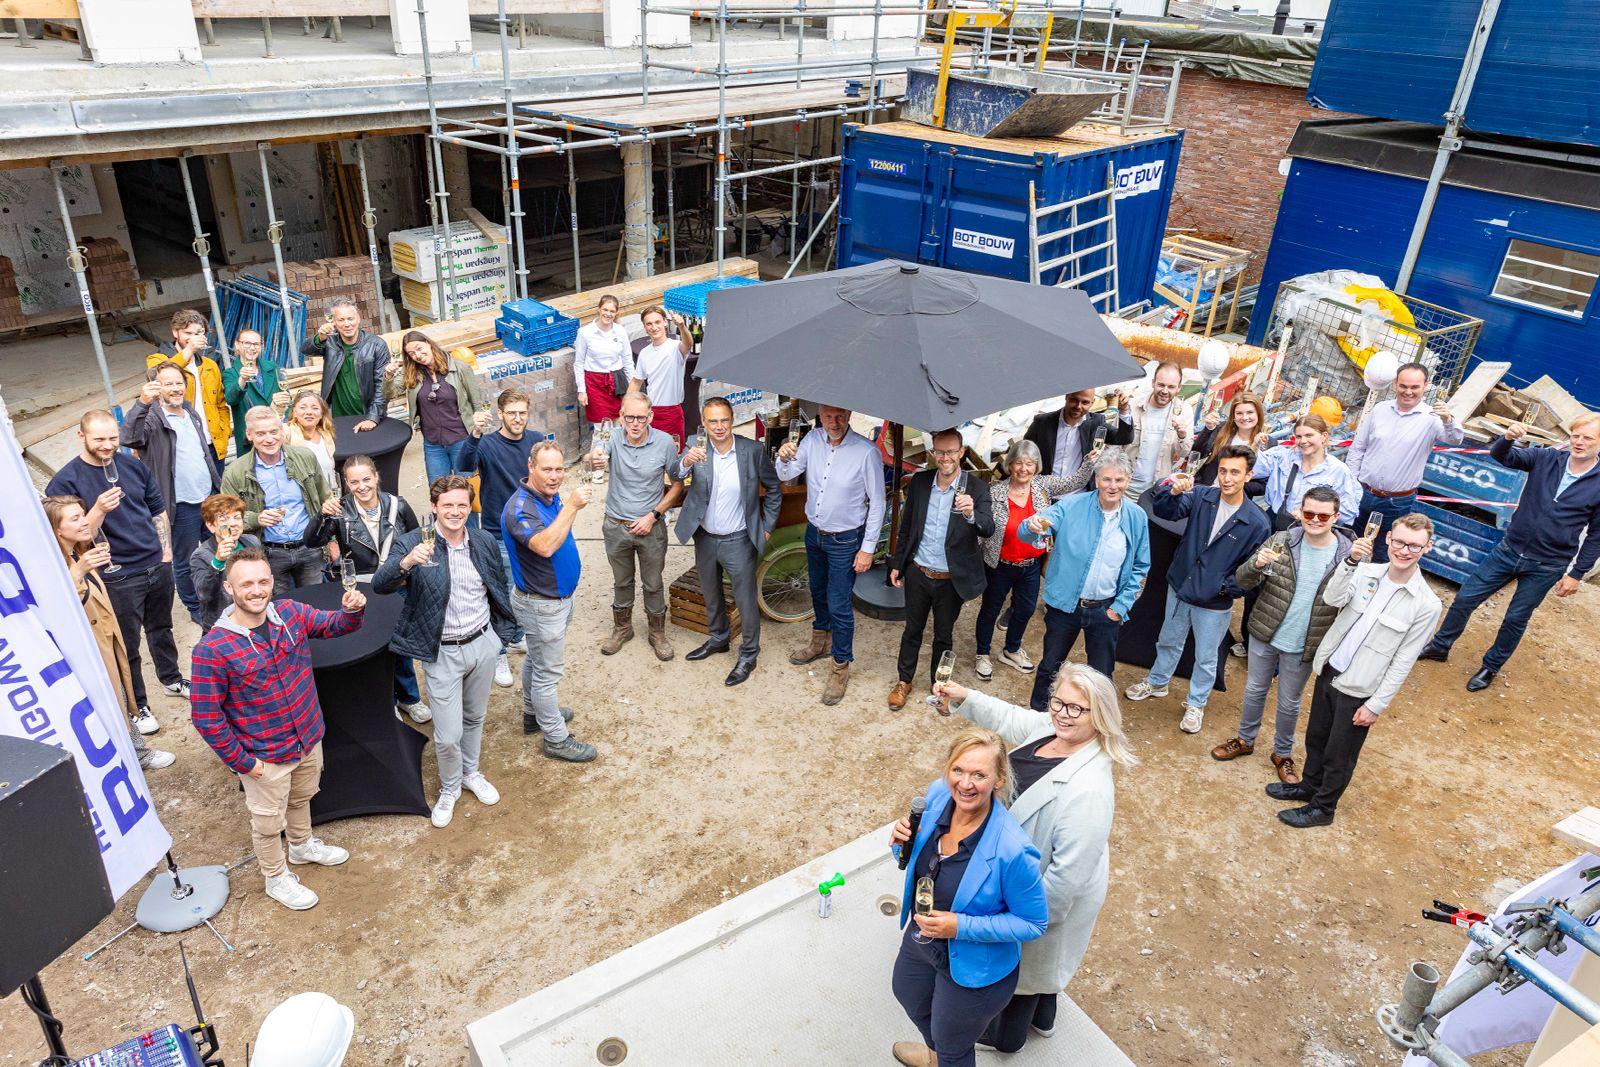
pixel 783 586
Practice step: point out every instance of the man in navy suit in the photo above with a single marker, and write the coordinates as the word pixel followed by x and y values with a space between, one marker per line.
pixel 1224 530
pixel 729 521
pixel 938 556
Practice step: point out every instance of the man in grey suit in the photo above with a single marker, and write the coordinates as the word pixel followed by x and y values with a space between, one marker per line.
pixel 730 522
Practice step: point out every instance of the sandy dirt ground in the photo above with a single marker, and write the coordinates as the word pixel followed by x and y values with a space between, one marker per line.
pixel 1227 938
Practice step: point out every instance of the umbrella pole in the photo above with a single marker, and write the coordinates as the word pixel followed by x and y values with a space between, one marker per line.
pixel 898 432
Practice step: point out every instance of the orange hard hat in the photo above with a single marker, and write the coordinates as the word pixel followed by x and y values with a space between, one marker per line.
pixel 1328 409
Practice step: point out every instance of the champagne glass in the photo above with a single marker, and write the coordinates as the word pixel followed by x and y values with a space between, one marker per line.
pixel 923 903
pixel 101 542
pixel 794 431
pixel 1100 433
pixel 700 441
pixel 430 537
pixel 602 443
pixel 112 477
pixel 942 673
pixel 1191 463
pixel 1374 524
pixel 347 574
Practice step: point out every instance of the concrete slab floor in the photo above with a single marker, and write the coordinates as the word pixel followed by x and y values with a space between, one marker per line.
pixel 55 69
pixel 686 995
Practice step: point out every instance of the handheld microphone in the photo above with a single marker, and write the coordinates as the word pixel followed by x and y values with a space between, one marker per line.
pixel 903 853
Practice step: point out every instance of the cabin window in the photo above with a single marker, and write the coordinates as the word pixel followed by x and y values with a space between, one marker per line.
pixel 1556 279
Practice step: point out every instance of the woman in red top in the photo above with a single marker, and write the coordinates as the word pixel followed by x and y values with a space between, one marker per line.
pixel 1014 568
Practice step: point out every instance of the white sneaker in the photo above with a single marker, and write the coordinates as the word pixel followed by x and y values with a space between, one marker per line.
pixel 502 671
pixel 480 787
pixel 419 712
pixel 1193 719
pixel 1239 651
pixel 444 809
pixel 314 851
pixel 1144 691
pixel 179 689
pixel 985 668
pixel 1017 660
pixel 154 759
pixel 287 890
pixel 145 722
pixel 519 646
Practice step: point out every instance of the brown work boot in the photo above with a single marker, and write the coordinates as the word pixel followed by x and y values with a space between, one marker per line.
pixel 658 636
pixel 621 631
pixel 838 678
pixel 1232 748
pixel 1284 765
pixel 914 1054
pixel 897 695
pixel 821 644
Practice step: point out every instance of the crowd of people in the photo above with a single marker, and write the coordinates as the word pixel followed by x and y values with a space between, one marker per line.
pixel 1323 554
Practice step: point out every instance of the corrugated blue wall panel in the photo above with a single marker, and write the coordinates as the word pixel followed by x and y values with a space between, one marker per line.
pixel 1399 59
pixel 1340 217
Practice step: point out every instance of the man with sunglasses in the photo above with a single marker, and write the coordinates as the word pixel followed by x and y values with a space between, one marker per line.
pixel 1385 614
pixel 1289 571
pixel 938 557
pixel 644 487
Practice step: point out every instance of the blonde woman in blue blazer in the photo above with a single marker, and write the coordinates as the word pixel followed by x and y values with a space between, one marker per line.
pixel 958 965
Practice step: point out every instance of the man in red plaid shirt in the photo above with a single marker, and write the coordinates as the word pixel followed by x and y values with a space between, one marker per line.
pixel 253 699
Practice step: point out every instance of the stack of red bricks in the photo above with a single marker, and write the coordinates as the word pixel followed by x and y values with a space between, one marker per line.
pixel 321 280
pixel 113 282
pixel 11 316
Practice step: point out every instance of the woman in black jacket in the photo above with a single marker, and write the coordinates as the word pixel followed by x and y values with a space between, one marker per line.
pixel 368 522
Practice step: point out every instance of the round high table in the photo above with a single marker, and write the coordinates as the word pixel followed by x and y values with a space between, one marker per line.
pixel 371 761
pixel 385 443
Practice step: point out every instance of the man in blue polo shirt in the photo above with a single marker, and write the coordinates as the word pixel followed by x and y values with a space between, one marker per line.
pixel 536 527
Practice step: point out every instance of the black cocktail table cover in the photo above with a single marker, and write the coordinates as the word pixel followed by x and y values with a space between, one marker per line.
pixel 371 761
pixel 385 443
pixel 1136 645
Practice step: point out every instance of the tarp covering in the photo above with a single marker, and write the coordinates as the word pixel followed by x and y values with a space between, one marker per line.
pixel 1252 57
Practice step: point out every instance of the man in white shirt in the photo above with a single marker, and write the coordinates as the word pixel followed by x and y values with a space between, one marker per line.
pixel 658 371
pixel 729 519
pixel 844 515
pixel 1386 614
pixel 1391 449
pixel 1161 430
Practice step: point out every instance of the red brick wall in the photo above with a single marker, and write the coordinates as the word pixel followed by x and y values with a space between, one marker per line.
pixel 1235 134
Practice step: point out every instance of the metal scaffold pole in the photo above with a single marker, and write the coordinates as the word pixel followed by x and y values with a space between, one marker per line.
pixel 443 243
pixel 672 222
pixel 369 219
pixel 275 235
pixel 79 265
pixel 572 213
pixel 513 178
pixel 722 129
pixel 202 249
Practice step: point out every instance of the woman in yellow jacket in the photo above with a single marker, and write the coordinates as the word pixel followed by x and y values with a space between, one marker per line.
pixel 187 347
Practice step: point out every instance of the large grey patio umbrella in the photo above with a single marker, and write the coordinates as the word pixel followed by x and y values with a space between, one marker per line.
pixel 916 345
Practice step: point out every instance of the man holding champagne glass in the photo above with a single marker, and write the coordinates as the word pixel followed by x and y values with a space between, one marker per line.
pixel 456 616
pixel 938 556
pixel 251 380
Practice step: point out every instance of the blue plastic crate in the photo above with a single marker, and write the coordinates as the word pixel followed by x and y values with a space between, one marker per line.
pixel 690 300
pixel 528 327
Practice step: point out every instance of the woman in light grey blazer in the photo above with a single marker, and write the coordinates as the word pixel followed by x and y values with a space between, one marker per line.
pixel 1065 797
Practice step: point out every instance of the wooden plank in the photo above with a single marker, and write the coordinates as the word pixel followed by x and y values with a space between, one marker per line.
pixel 1470 394
pixel 1561 403
pixel 497 234
pixel 1584 1052
pixel 39 9
pixel 1081 138
pixel 43 427
pixel 1581 829
pixel 285 9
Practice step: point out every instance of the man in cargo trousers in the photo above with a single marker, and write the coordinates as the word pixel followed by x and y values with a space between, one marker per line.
pixel 643 463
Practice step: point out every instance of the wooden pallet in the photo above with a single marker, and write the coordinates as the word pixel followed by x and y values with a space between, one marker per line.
pixel 686 606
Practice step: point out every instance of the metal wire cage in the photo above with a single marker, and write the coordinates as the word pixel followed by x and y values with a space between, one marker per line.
pixel 1330 336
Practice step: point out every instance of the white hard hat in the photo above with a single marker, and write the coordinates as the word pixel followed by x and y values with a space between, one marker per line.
pixel 307 1030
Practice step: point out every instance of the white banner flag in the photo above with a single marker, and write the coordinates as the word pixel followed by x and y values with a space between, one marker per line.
pixel 53 684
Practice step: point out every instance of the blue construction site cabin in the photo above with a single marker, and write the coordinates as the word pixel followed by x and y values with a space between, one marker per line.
pixel 927 195
pixel 1400 59
pixel 1514 238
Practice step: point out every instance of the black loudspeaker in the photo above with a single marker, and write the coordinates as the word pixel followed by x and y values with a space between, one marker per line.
pixel 51 878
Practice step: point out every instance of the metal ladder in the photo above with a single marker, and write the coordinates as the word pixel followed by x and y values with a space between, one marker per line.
pixel 1093 215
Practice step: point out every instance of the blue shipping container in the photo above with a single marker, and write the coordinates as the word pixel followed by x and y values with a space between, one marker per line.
pixel 1399 59
pixel 925 195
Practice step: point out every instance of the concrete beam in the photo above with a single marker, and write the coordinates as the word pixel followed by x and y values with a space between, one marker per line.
pixel 449 27
pixel 619 21
pixel 140 31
